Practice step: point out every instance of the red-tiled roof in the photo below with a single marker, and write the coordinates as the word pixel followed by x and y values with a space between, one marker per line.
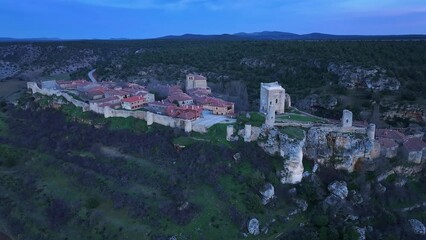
pixel 104 100
pixel 387 143
pixel 414 145
pixel 161 104
pixel 179 97
pixel 389 133
pixel 133 99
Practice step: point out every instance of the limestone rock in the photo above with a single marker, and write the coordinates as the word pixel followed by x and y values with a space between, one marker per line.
pixel 253 226
pixel 316 101
pixel 237 157
pixel 353 77
pixel 291 150
pixel 417 227
pixel 410 112
pixel 361 232
pixel 339 189
pixel 341 150
pixel 268 193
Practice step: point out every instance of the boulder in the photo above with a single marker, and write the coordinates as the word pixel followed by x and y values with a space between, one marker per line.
pixel 339 189
pixel 268 193
pixel 253 226
pixel 417 227
pixel 237 157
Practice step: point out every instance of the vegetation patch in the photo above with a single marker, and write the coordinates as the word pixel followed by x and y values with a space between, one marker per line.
pixel 297 117
pixel 256 119
pixel 293 132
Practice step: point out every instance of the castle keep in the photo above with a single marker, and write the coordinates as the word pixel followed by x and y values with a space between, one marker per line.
pixel 272 95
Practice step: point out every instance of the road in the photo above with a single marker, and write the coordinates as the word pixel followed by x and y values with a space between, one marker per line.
pixel 90 75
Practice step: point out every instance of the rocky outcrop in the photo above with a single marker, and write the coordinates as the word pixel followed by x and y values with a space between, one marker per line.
pixel 417 227
pixel 316 101
pixel 339 189
pixel 341 150
pixel 274 142
pixel 256 63
pixel 268 193
pixel 374 78
pixel 253 226
pixel 409 112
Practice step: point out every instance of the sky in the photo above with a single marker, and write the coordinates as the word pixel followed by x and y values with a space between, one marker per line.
pixel 140 19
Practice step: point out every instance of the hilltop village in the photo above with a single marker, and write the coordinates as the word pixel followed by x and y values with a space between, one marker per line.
pixel 284 132
pixel 131 96
pixel 195 109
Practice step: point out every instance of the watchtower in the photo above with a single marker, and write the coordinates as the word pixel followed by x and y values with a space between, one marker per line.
pixel 347 119
pixel 272 94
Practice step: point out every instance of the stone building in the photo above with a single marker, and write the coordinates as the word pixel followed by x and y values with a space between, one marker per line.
pixel 347 119
pixel 195 81
pixel 272 94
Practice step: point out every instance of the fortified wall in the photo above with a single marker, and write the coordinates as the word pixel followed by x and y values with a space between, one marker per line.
pixel 108 112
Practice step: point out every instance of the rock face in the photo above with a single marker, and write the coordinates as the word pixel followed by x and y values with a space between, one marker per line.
pixel 353 77
pixel 412 113
pixel 268 193
pixel 341 150
pixel 417 227
pixel 253 226
pixel 339 189
pixel 315 101
pixel 275 142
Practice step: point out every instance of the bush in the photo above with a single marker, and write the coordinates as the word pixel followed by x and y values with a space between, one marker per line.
pixel 253 203
pixel 92 203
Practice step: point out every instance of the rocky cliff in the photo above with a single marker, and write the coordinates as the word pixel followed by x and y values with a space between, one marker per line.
pixel 291 150
pixel 375 78
pixel 341 150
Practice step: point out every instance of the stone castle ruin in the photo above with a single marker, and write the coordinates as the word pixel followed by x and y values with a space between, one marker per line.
pixel 272 95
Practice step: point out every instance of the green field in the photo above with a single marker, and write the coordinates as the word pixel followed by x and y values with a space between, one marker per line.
pixel 293 132
pixel 297 117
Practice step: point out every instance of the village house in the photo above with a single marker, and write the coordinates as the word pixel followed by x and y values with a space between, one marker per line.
pixel 180 99
pixel 72 85
pixel 159 107
pixel 184 112
pixel 112 102
pixel 133 103
pixel 215 105
pixel 414 150
pixel 388 147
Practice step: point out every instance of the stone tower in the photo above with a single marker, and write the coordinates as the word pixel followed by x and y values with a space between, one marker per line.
pixel 347 119
pixel 371 131
pixel 272 94
pixel 270 116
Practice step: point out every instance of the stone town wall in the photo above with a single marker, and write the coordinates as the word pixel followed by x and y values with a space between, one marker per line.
pixel 50 92
pixel 108 112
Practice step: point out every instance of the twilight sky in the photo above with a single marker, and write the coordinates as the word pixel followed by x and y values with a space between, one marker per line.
pixel 77 19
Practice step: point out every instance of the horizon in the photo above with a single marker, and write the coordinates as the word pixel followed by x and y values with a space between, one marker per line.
pixel 148 19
